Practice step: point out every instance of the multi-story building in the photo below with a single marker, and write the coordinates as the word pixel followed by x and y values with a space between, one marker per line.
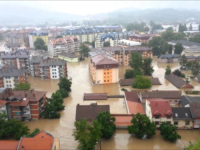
pixel 140 38
pixel 9 78
pixel 24 105
pixel 38 34
pixel 110 28
pixel 48 68
pixel 112 38
pixel 104 69
pixel 18 60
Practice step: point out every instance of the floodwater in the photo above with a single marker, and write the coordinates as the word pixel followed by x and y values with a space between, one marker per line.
pixel 81 82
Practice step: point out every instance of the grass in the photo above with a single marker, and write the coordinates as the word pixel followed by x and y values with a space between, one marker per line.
pixel 193 146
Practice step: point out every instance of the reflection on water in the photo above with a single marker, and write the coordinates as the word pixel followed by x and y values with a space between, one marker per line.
pixel 81 82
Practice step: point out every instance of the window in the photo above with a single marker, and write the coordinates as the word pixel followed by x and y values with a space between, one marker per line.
pixel 176 123
pixel 108 73
pixel 157 123
pixel 187 123
pixel 17 113
pixel 157 116
pixel 107 80
pixel 104 80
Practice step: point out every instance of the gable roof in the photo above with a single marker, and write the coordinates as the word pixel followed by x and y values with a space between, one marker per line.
pixel 181 113
pixel 185 43
pixel 90 112
pixel 188 99
pixel 103 60
pixel 95 96
pixel 12 72
pixel 161 94
pixel 194 108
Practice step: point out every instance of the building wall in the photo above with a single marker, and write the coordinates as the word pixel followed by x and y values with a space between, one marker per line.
pixel 54 72
pixel 196 123
pixel 44 37
pixel 8 82
pixel 68 59
pixel 31 41
pixel 182 124
pixel 1 82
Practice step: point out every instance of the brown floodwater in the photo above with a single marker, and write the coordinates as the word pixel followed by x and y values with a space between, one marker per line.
pixel 81 82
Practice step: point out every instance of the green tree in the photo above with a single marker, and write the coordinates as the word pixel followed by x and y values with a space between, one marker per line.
pixel 57 99
pixel 147 68
pixel 142 126
pixel 59 36
pixel 178 73
pixel 196 38
pixel 32 134
pixel 156 51
pixel 64 93
pixel 168 131
pixel 106 44
pixel 195 68
pixel 178 48
pixel 129 74
pixel 167 70
pixel 40 44
pixel 23 86
pixel 87 134
pixel 170 48
pixel 108 124
pixel 141 83
pixel 136 61
pixel 183 61
pixel 84 50
pixel 65 84
pixel 182 28
pixel 93 44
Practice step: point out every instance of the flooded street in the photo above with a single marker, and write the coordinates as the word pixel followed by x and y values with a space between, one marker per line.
pixel 81 82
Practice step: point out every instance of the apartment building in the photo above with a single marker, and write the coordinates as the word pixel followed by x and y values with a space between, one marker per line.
pixel 67 44
pixel 9 78
pixel 18 59
pixel 33 36
pixel 112 38
pixel 48 68
pixel 140 38
pixel 23 105
pixel 104 69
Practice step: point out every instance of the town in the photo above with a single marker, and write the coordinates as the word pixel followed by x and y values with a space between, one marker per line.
pixel 123 87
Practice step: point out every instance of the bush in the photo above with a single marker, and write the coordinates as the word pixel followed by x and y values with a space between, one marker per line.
pixel 141 83
pixel 178 73
pixel 123 89
pixel 194 92
pixel 129 74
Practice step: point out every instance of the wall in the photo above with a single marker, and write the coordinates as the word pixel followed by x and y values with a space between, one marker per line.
pixel 115 75
pixel 181 124
pixel 54 72
pixel 8 82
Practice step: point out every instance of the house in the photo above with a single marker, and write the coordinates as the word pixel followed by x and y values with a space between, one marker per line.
pixel 169 58
pixel 69 57
pixel 11 77
pixel 104 69
pixel 195 111
pixel 159 111
pixel 8 144
pixel 90 112
pixel 172 96
pixel 95 96
pixel 177 82
pixel 186 100
pixel 128 43
pixel 182 117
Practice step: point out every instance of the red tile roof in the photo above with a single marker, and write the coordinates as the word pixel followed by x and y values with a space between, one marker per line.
pixel 2 103
pixel 161 107
pixel 135 107
pixel 8 144
pixel 58 41
pixel 132 96
pixel 103 60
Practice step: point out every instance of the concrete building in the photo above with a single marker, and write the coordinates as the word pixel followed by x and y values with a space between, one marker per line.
pixel 175 28
pixel 69 57
pixel 9 78
pixel 129 43
pixel 140 38
pixel 192 26
pixel 169 58
pixel 112 38
pixel 33 36
pixel 104 69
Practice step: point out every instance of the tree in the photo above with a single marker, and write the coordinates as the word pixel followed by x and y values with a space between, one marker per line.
pixel 84 50
pixel 40 44
pixel 182 28
pixel 136 61
pixel 168 131
pixel 108 124
pixel 65 84
pixel 57 99
pixel 196 38
pixel 106 44
pixel 129 74
pixel 59 36
pixel 32 134
pixel 178 48
pixel 193 146
pixel 23 86
pixel 147 68
pixel 195 68
pixel 170 48
pixel 93 44
pixel 87 134
pixel 156 51
pixel 178 73
pixel 142 126
pixel 167 70
pixel 183 61
pixel 64 93
pixel 141 82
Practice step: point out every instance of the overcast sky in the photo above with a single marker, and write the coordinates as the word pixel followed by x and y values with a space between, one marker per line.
pixel 94 7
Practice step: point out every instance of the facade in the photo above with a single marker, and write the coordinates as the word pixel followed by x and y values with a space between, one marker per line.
pixel 112 38
pixel 17 60
pixel 9 78
pixel 159 111
pixel 140 38
pixel 69 57
pixel 169 58
pixel 104 69
pixel 192 26
pixel 37 34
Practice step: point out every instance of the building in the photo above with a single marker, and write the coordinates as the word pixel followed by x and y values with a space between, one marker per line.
pixel 186 100
pixel 48 68
pixel 3 107
pixel 128 43
pixel 177 82
pixel 33 36
pixel 182 118
pixel 42 140
pixel 12 46
pixel 90 112
pixel 169 58
pixel 192 58
pixel 9 78
pixel 195 111
pixel 175 28
pixel 140 38
pixel 104 69
pixel 69 57
pixel 172 96
pixel 159 111
pixel 110 28
pixel 197 78
pixel 18 60
pixel 192 26
pixel 112 38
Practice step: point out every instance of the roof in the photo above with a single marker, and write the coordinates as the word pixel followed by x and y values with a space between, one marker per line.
pixel 188 99
pixel 69 55
pixel 194 108
pixel 161 107
pixel 135 107
pixel 59 41
pixel 176 81
pixel 185 43
pixel 127 48
pixel 198 78
pixel 162 94
pixel 123 120
pixel 52 62
pixel 103 60
pixel 95 96
pixel 90 112
pixel 132 96
pixel 12 72
pixel 2 103
pixel 22 54
pixel 181 113
pixel 129 82
pixel 2 90
pixel 168 56
pixel 8 144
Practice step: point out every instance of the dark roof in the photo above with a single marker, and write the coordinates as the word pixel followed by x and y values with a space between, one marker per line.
pixel 15 55
pixel 155 81
pixel 90 112
pixel 181 113
pixel 188 99
pixel 52 62
pixel 132 96
pixel 185 43
pixel 129 82
pixel 69 55
pixel 162 94
pixel 194 108
pixel 95 96
pixel 168 56
pixel 176 81
pixel 12 72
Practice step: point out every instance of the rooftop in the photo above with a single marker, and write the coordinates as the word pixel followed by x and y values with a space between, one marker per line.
pixel 181 113
pixel 103 60
pixel 8 144
pixel 185 43
pixel 194 108
pixel 185 100
pixel 168 56
pixel 69 55
pixel 12 72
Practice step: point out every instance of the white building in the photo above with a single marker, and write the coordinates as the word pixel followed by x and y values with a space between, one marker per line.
pixel 129 43
pixel 101 39
pixel 192 26
pixel 175 28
